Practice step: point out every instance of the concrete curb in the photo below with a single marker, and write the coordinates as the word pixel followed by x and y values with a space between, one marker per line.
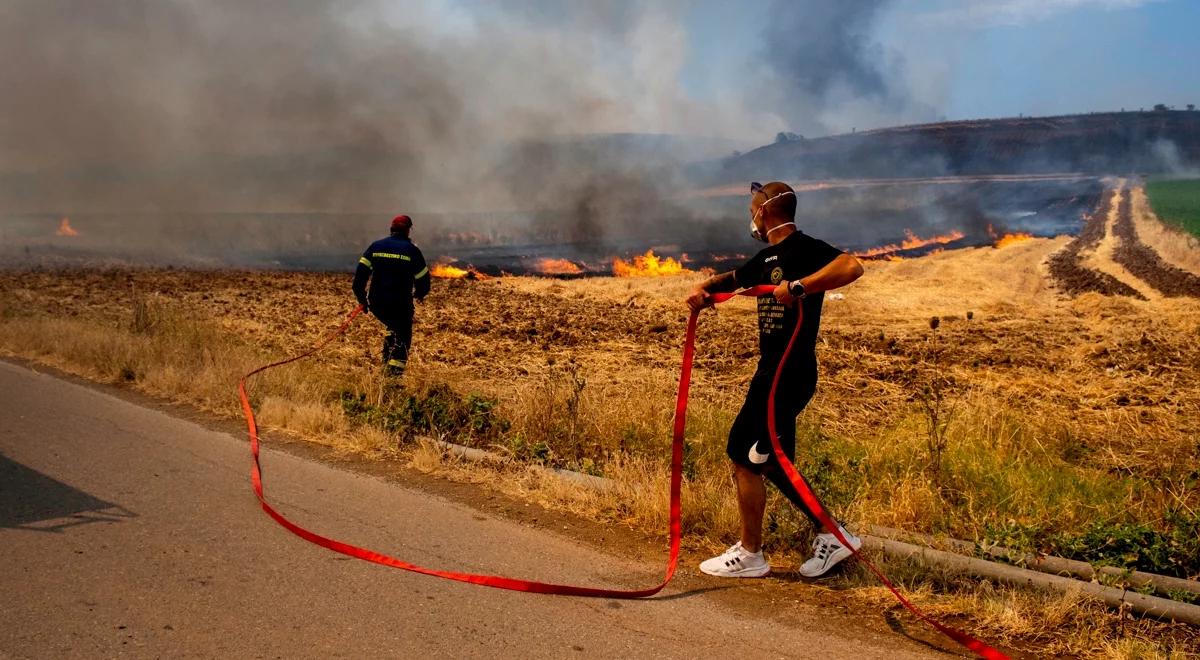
pixel 1022 577
pixel 1163 584
pixel 480 455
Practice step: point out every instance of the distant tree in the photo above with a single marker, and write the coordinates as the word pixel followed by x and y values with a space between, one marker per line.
pixel 1191 107
pixel 1160 107
pixel 787 136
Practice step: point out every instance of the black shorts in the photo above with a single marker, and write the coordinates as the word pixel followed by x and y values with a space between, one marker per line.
pixel 749 440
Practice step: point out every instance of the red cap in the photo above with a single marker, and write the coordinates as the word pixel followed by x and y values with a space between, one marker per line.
pixel 401 222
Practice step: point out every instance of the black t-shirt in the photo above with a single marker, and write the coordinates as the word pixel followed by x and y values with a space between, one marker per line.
pixel 799 255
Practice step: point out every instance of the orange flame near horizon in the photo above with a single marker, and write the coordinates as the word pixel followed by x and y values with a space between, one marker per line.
pixel 557 267
pixel 648 265
pixel 1009 239
pixel 65 229
pixel 911 242
pixel 448 272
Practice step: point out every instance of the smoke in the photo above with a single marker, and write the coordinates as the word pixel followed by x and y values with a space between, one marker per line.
pixel 820 45
pixel 1171 161
pixel 335 105
pixel 326 105
pixel 520 121
pixel 828 74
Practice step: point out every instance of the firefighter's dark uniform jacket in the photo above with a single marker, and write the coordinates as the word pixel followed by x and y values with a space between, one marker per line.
pixel 397 270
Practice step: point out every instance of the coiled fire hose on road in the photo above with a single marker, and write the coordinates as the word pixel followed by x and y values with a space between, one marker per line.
pixel 677 438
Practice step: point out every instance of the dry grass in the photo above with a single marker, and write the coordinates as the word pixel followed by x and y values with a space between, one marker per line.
pixel 1176 246
pixel 1060 412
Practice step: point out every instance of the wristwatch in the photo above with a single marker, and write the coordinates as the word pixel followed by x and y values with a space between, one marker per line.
pixel 796 289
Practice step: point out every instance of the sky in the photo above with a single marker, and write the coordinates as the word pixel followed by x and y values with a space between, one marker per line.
pixel 968 59
pixel 359 102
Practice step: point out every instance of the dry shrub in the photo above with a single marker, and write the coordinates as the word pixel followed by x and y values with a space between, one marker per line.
pixel 309 419
pixel 369 441
pixel 426 456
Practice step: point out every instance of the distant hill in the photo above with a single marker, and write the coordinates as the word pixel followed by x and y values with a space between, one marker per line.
pixel 1101 143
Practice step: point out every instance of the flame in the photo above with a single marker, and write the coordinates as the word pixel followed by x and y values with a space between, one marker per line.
pixel 65 229
pixel 448 272
pixel 647 265
pixel 1009 239
pixel 557 267
pixel 911 242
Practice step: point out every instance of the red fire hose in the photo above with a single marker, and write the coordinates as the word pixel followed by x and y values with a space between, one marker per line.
pixel 515 584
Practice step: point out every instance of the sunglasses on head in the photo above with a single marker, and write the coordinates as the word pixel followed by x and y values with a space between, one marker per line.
pixel 755 187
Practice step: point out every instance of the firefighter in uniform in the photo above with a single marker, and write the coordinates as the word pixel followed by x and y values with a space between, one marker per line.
pixel 398 273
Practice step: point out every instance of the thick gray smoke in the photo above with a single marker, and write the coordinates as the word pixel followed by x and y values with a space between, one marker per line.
pixel 829 75
pixel 820 46
pixel 508 122
pixel 336 105
pixel 327 105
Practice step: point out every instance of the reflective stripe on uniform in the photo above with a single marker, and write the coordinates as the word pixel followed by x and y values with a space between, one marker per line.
pixel 389 255
pixel 365 261
pixel 423 273
pixel 396 363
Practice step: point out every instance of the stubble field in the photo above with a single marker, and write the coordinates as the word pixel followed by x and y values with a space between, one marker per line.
pixel 961 393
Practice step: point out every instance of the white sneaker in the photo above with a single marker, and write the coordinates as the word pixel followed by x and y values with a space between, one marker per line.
pixel 827 552
pixel 737 562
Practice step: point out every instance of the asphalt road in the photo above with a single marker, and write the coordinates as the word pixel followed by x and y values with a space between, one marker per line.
pixel 125 531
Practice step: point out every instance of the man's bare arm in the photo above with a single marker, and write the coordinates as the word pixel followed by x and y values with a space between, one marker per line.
pixel 843 270
pixel 837 273
pixel 716 284
pixel 720 283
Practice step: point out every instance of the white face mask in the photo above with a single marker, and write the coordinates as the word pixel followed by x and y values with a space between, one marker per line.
pixel 755 233
pixel 765 237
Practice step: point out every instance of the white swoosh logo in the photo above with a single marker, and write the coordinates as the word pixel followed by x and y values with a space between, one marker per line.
pixel 757 458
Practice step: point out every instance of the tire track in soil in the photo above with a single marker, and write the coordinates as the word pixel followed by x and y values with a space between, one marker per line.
pixel 1101 258
pixel 1144 263
pixel 1066 265
pixel 1175 247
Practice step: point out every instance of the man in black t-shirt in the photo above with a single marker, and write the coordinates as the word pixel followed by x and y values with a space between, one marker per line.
pixel 802 268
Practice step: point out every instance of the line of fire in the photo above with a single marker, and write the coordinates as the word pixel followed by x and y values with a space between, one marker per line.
pixel 873 220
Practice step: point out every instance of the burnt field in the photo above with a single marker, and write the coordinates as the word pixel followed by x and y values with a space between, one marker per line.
pixel 904 218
